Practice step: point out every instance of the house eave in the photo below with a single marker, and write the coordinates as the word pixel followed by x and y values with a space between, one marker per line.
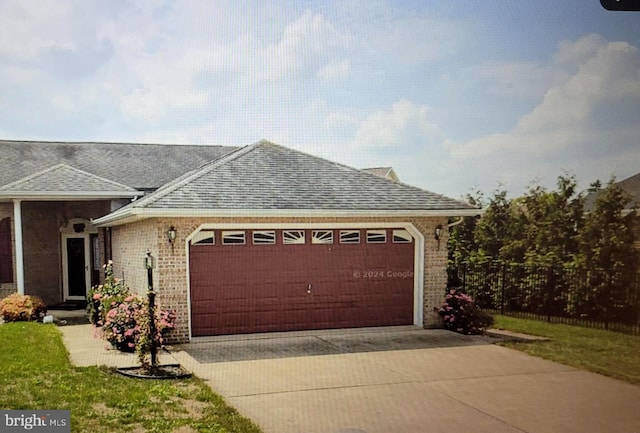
pixel 68 195
pixel 136 214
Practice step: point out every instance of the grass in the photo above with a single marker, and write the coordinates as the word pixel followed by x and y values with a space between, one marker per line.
pixel 35 373
pixel 605 352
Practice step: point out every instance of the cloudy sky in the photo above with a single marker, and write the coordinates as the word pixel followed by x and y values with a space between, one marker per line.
pixel 455 95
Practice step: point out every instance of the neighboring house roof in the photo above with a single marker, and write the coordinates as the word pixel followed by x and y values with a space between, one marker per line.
pixel 139 166
pixel 64 182
pixel 386 172
pixel 266 179
pixel 630 185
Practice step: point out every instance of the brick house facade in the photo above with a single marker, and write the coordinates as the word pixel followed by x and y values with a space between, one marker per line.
pixel 66 204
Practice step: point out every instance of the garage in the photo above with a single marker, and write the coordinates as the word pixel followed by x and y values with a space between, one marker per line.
pixel 267 280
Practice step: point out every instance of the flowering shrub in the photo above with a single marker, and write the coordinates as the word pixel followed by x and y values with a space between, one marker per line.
pixel 120 326
pixel 100 299
pixel 126 324
pixel 164 320
pixel 18 307
pixel 460 314
pixel 123 319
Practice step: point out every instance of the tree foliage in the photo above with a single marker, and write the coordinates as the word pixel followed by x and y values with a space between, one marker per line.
pixel 606 240
pixel 549 228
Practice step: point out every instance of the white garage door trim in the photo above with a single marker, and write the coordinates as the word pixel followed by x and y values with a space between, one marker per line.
pixel 418 256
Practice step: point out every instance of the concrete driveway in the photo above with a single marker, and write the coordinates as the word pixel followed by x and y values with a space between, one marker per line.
pixel 461 385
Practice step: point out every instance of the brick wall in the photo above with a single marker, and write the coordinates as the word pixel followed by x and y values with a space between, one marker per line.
pixel 129 245
pixel 41 224
pixel 170 274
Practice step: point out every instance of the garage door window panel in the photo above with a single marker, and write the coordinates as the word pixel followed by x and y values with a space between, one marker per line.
pixel 349 236
pixel 376 236
pixel 293 237
pixel 264 237
pixel 322 237
pixel 233 237
pixel 402 237
pixel 204 237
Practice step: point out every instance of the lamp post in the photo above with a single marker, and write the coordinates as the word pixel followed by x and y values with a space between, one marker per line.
pixel 151 295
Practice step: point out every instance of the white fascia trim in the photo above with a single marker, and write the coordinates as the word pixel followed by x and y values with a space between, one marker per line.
pixel 117 218
pixel 68 195
pixel 418 256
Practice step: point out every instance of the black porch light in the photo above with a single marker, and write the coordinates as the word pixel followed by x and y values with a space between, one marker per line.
pixel 438 232
pixel 171 235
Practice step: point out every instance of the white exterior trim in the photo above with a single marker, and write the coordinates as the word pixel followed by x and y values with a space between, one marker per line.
pixel 65 263
pixel 418 262
pixel 136 214
pixel 67 195
pixel 17 224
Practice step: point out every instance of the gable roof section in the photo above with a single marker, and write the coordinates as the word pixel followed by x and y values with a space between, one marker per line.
pixel 139 166
pixel 265 179
pixel 64 182
pixel 630 185
pixel 386 172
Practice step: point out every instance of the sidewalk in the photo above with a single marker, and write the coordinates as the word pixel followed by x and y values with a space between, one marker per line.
pixel 86 350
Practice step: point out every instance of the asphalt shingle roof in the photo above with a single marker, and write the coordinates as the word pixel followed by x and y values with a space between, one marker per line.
pixel 268 176
pixel 630 185
pixel 64 178
pixel 140 166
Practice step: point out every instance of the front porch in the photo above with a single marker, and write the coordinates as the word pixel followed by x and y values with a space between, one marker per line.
pixel 58 251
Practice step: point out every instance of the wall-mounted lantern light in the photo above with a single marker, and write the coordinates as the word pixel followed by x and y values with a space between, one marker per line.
pixel 437 233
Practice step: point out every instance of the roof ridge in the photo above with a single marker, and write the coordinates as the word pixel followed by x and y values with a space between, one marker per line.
pixel 353 169
pixel 62 165
pixel 117 143
pixel 193 174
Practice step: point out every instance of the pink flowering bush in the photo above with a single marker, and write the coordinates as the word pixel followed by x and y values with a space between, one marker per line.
pixel 123 319
pixel 460 314
pixel 126 324
pixel 101 298
pixel 18 307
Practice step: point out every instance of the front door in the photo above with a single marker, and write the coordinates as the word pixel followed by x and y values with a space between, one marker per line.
pixel 76 266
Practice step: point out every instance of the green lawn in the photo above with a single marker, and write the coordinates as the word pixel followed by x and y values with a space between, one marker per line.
pixel 609 353
pixel 35 373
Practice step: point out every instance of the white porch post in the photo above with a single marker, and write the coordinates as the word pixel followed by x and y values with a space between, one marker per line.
pixel 17 223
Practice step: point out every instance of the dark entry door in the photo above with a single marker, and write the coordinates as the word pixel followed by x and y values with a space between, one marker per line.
pixel 76 267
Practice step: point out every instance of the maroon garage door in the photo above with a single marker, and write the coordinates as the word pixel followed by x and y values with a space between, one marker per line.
pixel 245 281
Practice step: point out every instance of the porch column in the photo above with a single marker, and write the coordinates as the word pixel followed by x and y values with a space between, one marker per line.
pixel 17 223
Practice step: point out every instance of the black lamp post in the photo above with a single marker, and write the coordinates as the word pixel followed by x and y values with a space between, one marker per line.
pixel 151 295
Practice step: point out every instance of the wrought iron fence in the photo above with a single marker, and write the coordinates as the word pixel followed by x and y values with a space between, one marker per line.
pixel 592 298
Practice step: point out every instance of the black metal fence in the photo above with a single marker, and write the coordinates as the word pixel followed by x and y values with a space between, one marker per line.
pixel 591 298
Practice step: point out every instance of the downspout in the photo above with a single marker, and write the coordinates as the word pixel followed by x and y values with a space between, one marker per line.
pixel 17 223
pixel 455 223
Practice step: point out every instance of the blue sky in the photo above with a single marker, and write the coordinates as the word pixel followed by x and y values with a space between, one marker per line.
pixel 455 95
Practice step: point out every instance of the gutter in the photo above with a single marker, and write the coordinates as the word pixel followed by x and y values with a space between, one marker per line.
pixel 135 214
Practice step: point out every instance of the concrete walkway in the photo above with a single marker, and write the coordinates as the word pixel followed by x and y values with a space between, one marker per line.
pixel 472 388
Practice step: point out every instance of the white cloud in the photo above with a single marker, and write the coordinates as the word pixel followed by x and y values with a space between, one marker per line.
pixel 566 117
pixel 334 71
pixel 524 79
pixel 583 124
pixel 404 125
